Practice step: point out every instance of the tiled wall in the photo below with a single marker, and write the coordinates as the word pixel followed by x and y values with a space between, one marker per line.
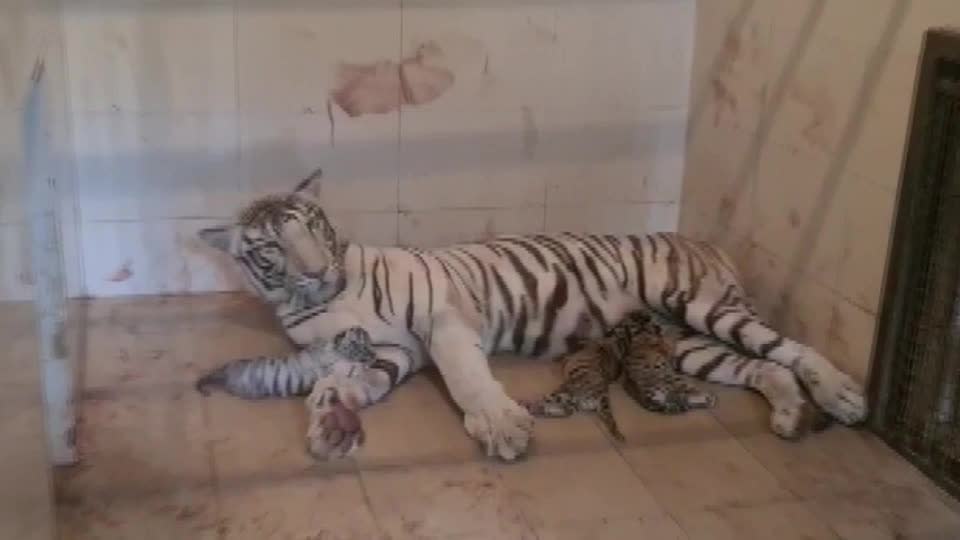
pixel 26 499
pixel 30 29
pixel 518 116
pixel 799 112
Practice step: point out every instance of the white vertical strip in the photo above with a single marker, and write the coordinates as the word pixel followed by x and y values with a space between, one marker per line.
pixel 47 264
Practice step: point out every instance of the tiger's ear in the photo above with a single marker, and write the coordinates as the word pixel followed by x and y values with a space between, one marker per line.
pixel 217 237
pixel 307 183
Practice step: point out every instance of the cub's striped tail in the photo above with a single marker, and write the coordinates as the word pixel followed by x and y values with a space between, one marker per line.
pixel 264 376
pixel 292 375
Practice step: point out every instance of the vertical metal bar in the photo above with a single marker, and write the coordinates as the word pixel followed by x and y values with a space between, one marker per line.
pixel 49 283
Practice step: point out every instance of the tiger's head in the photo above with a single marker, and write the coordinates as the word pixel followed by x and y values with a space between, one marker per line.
pixel 284 245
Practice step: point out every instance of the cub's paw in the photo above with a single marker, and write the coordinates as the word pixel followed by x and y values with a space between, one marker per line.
pixel 546 408
pixel 504 430
pixel 335 431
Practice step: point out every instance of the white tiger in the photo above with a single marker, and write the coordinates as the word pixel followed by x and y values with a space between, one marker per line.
pixel 520 294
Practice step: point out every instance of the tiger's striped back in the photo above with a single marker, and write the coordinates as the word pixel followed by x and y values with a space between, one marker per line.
pixel 528 293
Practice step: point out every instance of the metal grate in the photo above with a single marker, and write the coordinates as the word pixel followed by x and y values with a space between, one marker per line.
pixel 916 378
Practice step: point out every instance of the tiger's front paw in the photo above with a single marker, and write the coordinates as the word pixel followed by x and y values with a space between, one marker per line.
pixel 335 430
pixel 504 429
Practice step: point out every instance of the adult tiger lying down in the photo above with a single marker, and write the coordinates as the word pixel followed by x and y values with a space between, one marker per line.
pixel 454 306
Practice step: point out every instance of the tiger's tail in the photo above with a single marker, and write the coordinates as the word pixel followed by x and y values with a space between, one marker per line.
pixel 263 377
pixel 605 412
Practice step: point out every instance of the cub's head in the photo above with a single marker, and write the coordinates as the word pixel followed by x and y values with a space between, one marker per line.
pixel 281 242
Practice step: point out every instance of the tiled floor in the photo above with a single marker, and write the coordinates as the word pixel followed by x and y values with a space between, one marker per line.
pixel 161 462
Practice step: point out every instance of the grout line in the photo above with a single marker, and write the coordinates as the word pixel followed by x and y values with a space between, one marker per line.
pixel 79 262
pixel 782 485
pixel 238 127
pixel 399 163
pixel 663 507
pixel 367 500
pixel 209 443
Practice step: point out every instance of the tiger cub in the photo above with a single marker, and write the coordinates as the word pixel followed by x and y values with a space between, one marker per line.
pixel 647 351
pixel 641 350
pixel 587 374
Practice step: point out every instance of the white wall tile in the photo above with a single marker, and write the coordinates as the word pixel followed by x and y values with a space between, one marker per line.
pixel 371 228
pixel 641 161
pixel 182 113
pixel 15 278
pixel 433 228
pixel 622 54
pixel 16 272
pixel 820 92
pixel 719 189
pixel 879 149
pixel 800 213
pixel 870 212
pixel 138 58
pixel 153 257
pixel 11 172
pixel 850 339
pixel 730 66
pixel 626 218
pixel 359 165
pixel 30 30
pixel 134 166
pixel 289 53
pixel 473 146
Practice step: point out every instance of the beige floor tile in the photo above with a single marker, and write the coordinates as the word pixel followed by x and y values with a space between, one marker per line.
pixel 781 521
pixel 187 514
pixel 417 423
pixel 262 441
pixel 893 512
pixel 663 528
pixel 834 462
pixel 446 501
pixel 172 340
pixel 527 379
pixel 694 476
pixel 741 411
pixel 26 497
pixel 115 357
pixel 232 326
pixel 329 508
pixel 155 452
pixel 595 485
pixel 134 446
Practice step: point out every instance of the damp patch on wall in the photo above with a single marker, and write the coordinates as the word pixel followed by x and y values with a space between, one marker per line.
pixel 384 86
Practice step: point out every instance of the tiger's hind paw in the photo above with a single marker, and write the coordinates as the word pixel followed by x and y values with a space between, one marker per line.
pixel 833 390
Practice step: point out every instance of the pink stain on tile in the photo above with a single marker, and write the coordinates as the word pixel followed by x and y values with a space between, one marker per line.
pixel 123 273
pixel 821 124
pixel 724 99
pixel 384 86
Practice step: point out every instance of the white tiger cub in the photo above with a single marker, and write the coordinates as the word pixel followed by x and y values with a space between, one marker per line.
pixel 520 294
